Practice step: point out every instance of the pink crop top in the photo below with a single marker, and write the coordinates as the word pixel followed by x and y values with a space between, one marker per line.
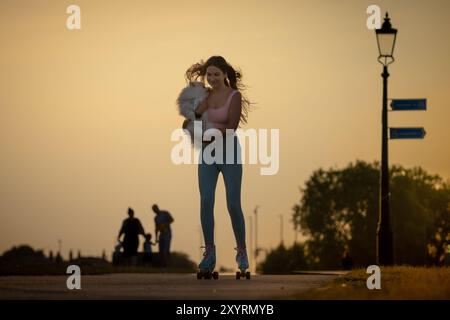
pixel 219 116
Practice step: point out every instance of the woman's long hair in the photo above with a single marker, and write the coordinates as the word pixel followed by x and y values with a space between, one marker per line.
pixel 233 79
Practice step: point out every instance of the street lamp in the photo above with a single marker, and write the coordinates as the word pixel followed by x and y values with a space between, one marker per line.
pixel 386 41
pixel 281 230
pixel 256 236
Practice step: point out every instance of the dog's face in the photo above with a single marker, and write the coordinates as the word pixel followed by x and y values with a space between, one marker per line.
pixel 197 84
pixel 195 90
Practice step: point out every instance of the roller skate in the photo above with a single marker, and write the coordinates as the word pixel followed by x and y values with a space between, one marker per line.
pixel 207 265
pixel 242 261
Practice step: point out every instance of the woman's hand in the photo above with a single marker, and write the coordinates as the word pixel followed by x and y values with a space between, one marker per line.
pixel 203 105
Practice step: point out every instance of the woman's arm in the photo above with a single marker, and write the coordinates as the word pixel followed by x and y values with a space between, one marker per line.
pixel 202 106
pixel 234 113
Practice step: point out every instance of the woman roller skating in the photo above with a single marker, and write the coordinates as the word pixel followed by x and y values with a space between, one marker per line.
pixel 225 108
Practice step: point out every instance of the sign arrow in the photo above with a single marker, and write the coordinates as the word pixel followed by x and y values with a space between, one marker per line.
pixel 406 133
pixel 408 104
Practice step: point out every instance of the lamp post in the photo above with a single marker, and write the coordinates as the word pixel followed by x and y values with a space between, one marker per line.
pixel 386 41
pixel 256 237
pixel 281 230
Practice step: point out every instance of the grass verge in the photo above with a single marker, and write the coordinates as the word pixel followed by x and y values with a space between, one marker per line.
pixel 397 283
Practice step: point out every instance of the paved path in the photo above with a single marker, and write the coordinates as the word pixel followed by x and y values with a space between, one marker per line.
pixel 160 286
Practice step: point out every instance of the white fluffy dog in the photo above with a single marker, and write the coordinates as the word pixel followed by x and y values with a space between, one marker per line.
pixel 188 100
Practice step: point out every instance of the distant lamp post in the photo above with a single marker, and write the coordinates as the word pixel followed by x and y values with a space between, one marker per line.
pixel 281 230
pixel 386 41
pixel 256 237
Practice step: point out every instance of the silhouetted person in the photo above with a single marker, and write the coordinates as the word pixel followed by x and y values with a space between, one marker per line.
pixel 347 261
pixel 148 252
pixel 117 254
pixel 163 233
pixel 132 228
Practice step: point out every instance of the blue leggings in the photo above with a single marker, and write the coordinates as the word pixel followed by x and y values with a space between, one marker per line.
pixel 207 178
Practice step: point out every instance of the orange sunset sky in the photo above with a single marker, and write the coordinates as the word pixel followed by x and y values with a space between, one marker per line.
pixel 86 115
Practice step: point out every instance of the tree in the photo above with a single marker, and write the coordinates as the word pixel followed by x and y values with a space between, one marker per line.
pixel 341 207
pixel 284 260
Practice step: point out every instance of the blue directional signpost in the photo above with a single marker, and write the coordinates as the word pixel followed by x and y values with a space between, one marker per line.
pixel 386 37
pixel 408 104
pixel 406 133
